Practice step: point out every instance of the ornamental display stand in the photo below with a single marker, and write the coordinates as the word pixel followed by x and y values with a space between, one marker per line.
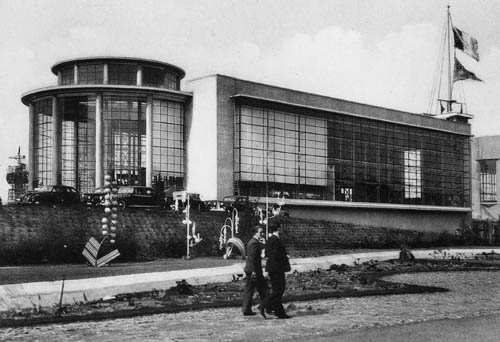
pixel 109 222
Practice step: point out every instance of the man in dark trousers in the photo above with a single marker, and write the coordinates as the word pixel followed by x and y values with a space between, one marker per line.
pixel 276 266
pixel 253 272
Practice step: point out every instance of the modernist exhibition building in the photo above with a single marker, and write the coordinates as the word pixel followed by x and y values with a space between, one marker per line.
pixel 329 158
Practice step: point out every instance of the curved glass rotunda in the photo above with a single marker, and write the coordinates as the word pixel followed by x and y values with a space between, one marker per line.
pixel 122 116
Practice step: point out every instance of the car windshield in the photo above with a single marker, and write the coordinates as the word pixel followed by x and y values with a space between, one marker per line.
pixel 125 190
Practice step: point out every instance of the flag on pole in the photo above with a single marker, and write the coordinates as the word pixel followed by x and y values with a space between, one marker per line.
pixel 442 107
pixel 460 73
pixel 466 43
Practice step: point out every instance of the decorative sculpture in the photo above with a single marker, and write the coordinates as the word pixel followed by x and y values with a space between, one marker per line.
pixel 108 226
pixel 192 238
pixel 227 238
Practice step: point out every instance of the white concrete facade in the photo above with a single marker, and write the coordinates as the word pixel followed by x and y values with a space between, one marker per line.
pixel 202 138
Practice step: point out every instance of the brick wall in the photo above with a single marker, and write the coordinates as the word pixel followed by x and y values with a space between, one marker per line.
pixel 307 237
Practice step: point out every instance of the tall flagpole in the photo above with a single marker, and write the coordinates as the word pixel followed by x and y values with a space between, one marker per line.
pixel 267 179
pixel 450 81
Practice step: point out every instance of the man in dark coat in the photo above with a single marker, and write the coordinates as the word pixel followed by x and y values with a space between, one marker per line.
pixel 276 266
pixel 253 272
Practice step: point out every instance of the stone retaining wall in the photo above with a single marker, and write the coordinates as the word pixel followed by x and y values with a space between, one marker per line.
pixel 32 234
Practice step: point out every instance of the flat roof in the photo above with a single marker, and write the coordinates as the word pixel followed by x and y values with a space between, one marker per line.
pixel 249 90
pixel 85 89
pixel 336 111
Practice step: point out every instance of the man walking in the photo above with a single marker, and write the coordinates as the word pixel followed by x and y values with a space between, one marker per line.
pixel 276 266
pixel 253 272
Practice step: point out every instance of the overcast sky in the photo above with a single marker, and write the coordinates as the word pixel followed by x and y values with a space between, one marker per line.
pixel 379 52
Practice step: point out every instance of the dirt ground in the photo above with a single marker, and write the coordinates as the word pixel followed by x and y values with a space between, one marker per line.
pixel 338 281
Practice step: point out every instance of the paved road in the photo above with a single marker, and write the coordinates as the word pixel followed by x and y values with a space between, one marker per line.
pixel 474 329
pixel 474 295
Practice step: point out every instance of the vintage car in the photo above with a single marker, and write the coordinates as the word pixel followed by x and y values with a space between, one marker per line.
pixel 280 194
pixel 240 203
pixel 55 194
pixel 168 194
pixel 95 198
pixel 195 201
pixel 137 197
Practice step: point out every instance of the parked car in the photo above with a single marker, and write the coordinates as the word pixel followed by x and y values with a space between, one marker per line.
pixel 137 197
pixel 168 194
pixel 55 194
pixel 95 198
pixel 309 195
pixel 240 203
pixel 195 201
pixel 280 194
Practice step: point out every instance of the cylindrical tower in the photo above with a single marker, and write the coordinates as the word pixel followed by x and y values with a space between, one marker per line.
pixel 108 115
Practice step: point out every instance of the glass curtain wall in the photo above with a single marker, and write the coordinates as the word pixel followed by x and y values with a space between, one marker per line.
pixel 283 151
pixel 124 74
pixel 67 75
pixel 172 81
pixel 125 139
pixel 91 73
pixel 78 142
pixel 153 77
pixel 168 143
pixel 42 142
pixel 321 156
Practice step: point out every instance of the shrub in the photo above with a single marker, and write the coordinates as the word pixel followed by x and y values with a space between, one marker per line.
pixel 55 235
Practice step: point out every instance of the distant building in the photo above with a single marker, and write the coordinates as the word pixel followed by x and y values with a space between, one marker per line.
pixel 331 159
pixel 485 186
pixel 17 178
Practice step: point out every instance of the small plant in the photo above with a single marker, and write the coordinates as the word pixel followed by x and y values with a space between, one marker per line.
pixel 184 288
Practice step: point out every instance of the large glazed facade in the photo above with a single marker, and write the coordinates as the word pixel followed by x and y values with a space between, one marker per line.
pixel 332 159
pixel 119 116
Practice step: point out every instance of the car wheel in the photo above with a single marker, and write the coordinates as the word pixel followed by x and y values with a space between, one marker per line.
pixel 122 204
